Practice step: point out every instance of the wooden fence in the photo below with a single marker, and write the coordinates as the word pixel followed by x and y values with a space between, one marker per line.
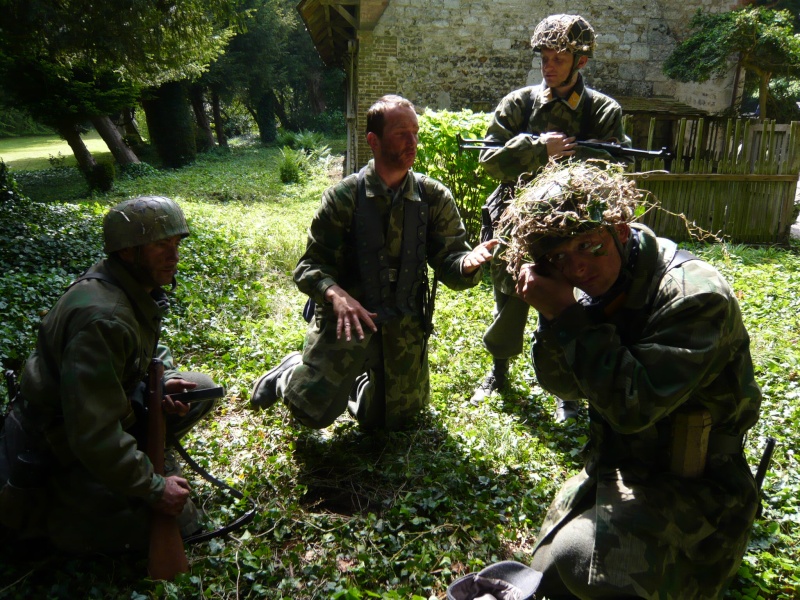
pixel 735 179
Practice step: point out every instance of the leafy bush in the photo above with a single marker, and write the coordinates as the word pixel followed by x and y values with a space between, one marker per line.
pixel 101 177
pixel 136 170
pixel 60 184
pixel 439 156
pixel 293 165
pixel 9 191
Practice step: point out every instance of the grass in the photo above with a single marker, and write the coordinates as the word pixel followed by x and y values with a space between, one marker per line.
pixel 345 515
pixel 30 153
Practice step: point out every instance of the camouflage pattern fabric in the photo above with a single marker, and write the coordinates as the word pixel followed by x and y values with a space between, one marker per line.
pixel 319 388
pixel 522 157
pixel 93 349
pixel 658 535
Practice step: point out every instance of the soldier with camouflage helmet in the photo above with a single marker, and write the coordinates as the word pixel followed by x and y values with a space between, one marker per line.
pixel 651 338
pixel 71 468
pixel 365 267
pixel 561 110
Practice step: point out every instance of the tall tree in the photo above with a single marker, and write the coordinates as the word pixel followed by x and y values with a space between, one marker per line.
pixel 760 40
pixel 273 67
pixel 137 42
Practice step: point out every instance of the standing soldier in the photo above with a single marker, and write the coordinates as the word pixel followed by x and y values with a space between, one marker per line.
pixel 560 111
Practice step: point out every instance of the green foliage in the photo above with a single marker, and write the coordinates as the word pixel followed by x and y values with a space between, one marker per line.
pixel 59 184
pixel 762 40
pixel 101 177
pixel 344 514
pixel 15 122
pixel 9 192
pixel 439 156
pixel 136 170
pixel 293 164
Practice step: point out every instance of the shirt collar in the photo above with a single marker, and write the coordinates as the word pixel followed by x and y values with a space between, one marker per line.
pixel 546 94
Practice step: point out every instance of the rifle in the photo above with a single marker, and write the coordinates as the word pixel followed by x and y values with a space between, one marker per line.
pixel 610 147
pixel 763 465
pixel 167 556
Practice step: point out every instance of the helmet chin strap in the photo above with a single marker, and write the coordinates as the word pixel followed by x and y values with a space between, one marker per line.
pixel 568 81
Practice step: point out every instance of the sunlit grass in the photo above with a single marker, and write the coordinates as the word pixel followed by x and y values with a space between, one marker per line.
pixel 34 152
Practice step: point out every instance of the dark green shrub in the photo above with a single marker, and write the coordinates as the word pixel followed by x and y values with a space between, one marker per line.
pixel 293 165
pixel 440 157
pixel 101 177
pixel 137 170
pixel 9 191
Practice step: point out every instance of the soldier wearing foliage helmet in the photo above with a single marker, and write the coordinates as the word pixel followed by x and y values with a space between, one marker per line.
pixel 560 110
pixel 71 466
pixel 652 339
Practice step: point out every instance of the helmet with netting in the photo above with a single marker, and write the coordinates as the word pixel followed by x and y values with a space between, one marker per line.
pixel 142 220
pixel 564 33
pixel 565 200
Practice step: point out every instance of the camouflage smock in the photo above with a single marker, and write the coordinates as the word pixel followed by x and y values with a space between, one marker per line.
pixel 93 348
pixel 521 154
pixel 658 535
pixel 330 258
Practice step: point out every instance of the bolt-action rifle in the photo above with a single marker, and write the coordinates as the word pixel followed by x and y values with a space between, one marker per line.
pixel 610 147
pixel 167 556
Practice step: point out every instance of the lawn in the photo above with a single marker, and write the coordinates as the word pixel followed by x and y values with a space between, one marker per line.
pixel 39 152
pixel 342 514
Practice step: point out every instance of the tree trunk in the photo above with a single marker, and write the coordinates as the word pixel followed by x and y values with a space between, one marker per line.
pixel 171 126
pixel 205 139
pixel 111 136
pixel 132 133
pixel 70 133
pixel 265 118
pixel 763 92
pixel 219 126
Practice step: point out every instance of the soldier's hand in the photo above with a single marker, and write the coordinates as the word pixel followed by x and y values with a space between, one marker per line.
pixel 349 314
pixel 546 289
pixel 479 255
pixel 558 145
pixel 176 493
pixel 176 386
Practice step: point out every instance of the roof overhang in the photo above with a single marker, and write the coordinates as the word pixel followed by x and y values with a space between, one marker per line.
pixel 331 25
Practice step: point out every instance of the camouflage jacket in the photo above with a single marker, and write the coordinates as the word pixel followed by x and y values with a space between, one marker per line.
pixel 330 256
pixel 677 342
pixel 523 156
pixel 93 349
pixel 547 112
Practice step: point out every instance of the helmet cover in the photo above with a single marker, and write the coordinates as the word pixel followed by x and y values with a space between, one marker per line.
pixel 142 220
pixel 564 33
pixel 565 200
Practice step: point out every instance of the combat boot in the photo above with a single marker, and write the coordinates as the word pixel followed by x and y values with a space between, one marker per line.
pixel 565 410
pixel 265 389
pixel 495 380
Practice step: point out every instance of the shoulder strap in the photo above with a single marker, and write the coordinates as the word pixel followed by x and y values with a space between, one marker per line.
pixel 586 115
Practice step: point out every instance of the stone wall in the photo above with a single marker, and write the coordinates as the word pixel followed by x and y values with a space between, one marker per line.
pixel 469 53
pixel 453 54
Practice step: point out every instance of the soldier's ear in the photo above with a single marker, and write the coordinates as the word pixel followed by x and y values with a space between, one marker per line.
pixel 373 140
pixel 582 61
pixel 623 232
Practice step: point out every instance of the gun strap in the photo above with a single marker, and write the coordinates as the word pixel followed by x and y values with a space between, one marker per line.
pixel 233 526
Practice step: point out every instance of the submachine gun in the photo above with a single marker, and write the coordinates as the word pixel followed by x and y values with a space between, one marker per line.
pixel 616 150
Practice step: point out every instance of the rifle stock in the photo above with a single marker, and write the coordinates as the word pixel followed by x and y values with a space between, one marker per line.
pixel 167 556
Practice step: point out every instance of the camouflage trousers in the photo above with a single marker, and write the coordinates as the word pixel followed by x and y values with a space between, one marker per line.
pixel 506 335
pixel 383 379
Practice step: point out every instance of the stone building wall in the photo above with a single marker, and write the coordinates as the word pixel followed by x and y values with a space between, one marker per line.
pixel 453 54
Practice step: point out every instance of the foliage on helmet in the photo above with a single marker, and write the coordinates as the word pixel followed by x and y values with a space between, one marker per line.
pixel 564 200
pixel 564 33
pixel 142 220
